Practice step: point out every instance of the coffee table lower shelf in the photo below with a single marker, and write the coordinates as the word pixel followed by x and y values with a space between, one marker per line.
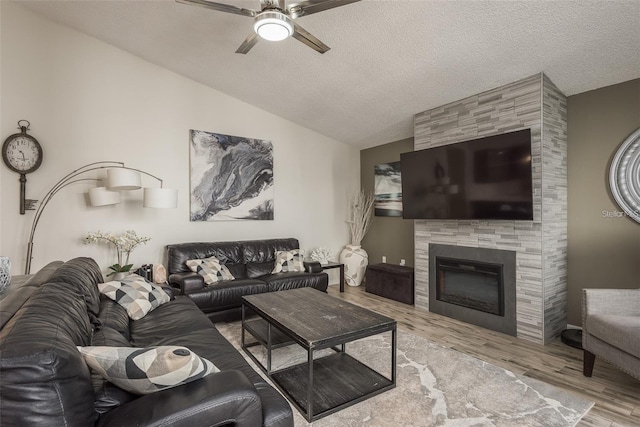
pixel 339 381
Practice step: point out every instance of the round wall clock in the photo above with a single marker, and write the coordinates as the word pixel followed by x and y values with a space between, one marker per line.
pixel 22 153
pixel 624 176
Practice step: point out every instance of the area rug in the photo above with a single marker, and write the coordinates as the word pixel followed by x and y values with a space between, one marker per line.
pixel 436 386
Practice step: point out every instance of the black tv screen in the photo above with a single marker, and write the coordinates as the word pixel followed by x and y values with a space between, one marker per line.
pixel 486 178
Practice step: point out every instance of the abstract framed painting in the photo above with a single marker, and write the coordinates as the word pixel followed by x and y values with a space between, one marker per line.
pixel 388 189
pixel 231 177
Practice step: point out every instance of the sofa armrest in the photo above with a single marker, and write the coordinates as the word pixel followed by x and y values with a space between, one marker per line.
pixel 312 267
pixel 186 282
pixel 169 290
pixel 222 398
pixel 623 302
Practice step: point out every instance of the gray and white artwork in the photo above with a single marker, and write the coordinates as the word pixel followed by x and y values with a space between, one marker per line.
pixel 388 190
pixel 231 177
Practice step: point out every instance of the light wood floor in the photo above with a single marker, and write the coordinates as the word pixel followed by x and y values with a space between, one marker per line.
pixel 616 395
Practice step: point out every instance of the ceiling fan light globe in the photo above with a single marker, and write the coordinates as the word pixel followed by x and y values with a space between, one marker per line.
pixel 273 26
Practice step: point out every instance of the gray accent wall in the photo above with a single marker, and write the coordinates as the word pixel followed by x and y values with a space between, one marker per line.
pixel 604 245
pixel 540 245
pixel 388 236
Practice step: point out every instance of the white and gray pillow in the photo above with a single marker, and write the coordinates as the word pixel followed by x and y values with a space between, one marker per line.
pixel 288 261
pixel 210 269
pixel 147 370
pixel 135 294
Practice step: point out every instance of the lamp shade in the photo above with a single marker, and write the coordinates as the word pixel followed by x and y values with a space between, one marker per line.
pixel 123 179
pixel 160 198
pixel 100 196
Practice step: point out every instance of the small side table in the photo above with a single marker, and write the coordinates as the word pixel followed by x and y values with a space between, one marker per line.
pixel 331 265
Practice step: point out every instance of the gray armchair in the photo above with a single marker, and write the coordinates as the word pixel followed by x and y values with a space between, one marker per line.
pixel 611 329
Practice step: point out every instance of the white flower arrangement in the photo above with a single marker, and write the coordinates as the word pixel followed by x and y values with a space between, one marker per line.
pixel 322 255
pixel 125 243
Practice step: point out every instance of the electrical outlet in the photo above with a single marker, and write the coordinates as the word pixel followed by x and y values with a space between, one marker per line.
pixel 402 261
pixel 384 258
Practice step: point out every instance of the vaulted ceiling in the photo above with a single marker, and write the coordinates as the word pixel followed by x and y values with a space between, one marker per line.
pixel 389 59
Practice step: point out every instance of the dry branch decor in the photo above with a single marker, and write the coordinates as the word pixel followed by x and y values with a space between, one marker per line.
pixel 359 221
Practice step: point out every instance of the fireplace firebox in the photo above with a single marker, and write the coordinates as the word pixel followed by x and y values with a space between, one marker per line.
pixel 472 284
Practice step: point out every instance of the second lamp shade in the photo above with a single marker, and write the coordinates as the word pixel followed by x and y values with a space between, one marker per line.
pixel 123 179
pixel 160 198
pixel 100 196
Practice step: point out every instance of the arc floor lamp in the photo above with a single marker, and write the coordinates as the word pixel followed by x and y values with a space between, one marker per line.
pixel 119 178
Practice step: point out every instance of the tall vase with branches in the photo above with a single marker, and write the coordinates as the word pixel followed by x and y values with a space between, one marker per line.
pixel 353 256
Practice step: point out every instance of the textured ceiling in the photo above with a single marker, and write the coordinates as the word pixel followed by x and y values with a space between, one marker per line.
pixel 388 60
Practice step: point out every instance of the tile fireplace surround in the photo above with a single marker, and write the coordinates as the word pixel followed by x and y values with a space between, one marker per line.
pixel 541 244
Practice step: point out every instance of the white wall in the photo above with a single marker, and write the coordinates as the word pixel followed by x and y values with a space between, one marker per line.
pixel 88 101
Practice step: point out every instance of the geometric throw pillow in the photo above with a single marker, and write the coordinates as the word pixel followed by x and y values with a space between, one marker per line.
pixel 147 370
pixel 287 261
pixel 135 294
pixel 210 269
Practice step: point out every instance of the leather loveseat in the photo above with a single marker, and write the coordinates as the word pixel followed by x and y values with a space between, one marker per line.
pixel 46 382
pixel 250 262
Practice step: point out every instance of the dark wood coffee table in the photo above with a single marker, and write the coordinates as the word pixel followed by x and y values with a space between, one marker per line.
pixel 316 321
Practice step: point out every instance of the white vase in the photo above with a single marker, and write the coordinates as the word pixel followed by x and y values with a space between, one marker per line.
pixel 5 272
pixel 355 260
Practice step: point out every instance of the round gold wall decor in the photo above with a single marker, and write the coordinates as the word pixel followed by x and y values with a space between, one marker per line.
pixel 624 176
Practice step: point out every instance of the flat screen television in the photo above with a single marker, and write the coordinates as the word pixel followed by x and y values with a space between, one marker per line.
pixel 485 178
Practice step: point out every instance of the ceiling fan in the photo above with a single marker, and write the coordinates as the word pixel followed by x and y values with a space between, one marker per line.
pixel 275 21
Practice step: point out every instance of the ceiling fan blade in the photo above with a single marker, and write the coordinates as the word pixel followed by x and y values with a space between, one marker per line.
pixel 220 7
pixel 307 38
pixel 308 7
pixel 248 43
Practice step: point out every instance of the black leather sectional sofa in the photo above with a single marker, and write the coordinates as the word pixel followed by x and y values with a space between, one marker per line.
pixel 250 262
pixel 44 381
